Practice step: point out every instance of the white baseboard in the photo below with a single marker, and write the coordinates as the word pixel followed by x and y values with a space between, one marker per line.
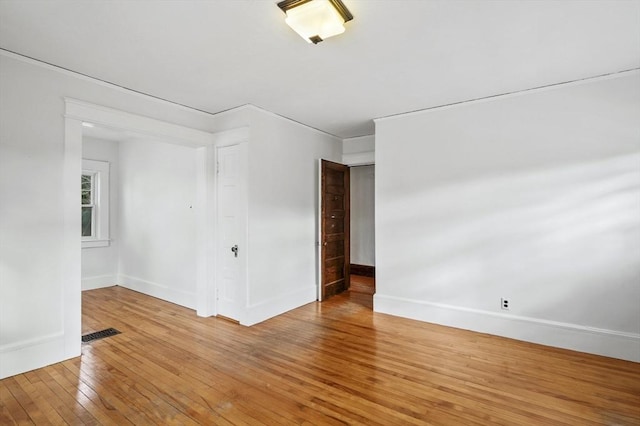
pixel 26 355
pixel 99 281
pixel 597 341
pixel 270 308
pixel 188 300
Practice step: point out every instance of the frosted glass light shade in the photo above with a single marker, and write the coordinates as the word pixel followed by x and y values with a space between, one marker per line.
pixel 316 20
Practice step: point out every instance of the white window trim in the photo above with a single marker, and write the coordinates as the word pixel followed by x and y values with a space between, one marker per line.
pixel 100 170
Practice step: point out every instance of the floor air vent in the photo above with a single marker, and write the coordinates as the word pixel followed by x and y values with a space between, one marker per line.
pixel 99 335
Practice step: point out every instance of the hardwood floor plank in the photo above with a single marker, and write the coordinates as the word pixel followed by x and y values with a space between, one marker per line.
pixel 333 363
pixel 182 395
pixel 171 365
pixel 43 413
pixel 434 377
pixel 357 381
pixel 11 410
pixel 380 379
pixel 103 389
pixel 126 390
pixel 224 374
pixel 71 385
pixel 68 408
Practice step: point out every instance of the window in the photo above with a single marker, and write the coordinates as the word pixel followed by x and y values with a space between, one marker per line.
pixel 88 204
pixel 94 191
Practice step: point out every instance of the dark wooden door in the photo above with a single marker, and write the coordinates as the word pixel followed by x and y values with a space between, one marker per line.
pixel 334 224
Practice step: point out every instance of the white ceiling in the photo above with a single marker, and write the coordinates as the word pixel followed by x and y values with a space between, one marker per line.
pixel 396 55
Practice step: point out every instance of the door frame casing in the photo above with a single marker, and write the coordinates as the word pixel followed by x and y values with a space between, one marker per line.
pixel 75 113
pixel 319 232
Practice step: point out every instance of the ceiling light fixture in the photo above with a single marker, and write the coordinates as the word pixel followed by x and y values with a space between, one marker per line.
pixel 316 20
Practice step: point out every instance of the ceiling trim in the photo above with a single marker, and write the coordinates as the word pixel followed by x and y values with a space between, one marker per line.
pixel 124 89
pixel 282 117
pixel 539 89
pixel 86 77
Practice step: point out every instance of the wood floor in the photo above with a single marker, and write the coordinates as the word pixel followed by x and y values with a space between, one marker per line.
pixel 361 290
pixel 333 363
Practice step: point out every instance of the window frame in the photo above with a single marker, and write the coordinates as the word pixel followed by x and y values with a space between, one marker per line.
pixel 99 170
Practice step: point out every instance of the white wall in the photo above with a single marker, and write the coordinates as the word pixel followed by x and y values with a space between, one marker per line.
pixel 158 255
pixel 40 252
pixel 531 197
pixel 157 237
pixel 283 201
pixel 363 215
pixel 31 156
pixel 358 151
pixel 100 264
pixel 40 268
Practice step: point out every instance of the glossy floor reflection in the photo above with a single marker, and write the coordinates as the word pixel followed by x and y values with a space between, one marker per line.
pixel 334 363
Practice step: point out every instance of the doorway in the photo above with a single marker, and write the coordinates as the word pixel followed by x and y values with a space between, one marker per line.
pixel 196 206
pixel 346 236
pixel 231 223
pixel 362 238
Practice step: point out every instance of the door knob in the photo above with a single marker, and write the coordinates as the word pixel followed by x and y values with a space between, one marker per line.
pixel 234 249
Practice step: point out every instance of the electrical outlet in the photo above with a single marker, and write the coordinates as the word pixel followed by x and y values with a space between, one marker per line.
pixel 504 304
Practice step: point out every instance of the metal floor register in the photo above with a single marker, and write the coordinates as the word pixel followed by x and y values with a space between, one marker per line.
pixel 99 335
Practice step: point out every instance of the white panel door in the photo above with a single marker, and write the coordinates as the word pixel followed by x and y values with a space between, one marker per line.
pixel 231 229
